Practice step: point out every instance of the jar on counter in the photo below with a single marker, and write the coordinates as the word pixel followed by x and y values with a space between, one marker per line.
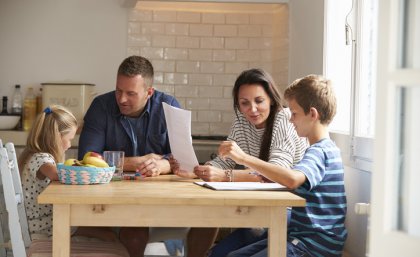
pixel 29 109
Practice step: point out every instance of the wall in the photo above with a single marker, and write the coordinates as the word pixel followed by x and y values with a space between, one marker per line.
pixel 56 40
pixel 306 38
pixel 198 50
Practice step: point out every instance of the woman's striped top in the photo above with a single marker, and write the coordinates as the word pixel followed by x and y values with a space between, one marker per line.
pixel 286 149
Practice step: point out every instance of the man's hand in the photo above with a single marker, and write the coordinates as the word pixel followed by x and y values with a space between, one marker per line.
pixel 150 165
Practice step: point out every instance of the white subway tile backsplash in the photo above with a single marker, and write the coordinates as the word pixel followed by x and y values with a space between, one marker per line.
pixel 179 29
pixel 175 78
pixel 134 27
pixel 224 79
pixel 200 54
pixel 158 78
pixel 212 42
pixel 225 30
pixel 213 18
pixel 210 91
pixel 152 28
pixel 212 67
pixel 163 41
pixel 205 30
pixel 247 55
pixel 188 66
pixel 236 67
pixel 175 54
pixel 140 15
pixel 164 16
pixel 221 104
pixel 237 18
pixel 197 55
pixel 200 79
pixel 219 128
pixel 224 55
pixel 164 66
pixel 186 91
pixel 236 43
pixel 197 103
pixel 152 52
pixel 249 30
pixel 188 17
pixel 139 40
pixel 260 43
pixel 200 128
pixel 187 42
pixel 209 116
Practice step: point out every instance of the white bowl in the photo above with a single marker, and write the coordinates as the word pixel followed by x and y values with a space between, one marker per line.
pixel 8 121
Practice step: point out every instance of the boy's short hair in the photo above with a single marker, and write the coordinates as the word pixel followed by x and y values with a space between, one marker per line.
pixel 314 91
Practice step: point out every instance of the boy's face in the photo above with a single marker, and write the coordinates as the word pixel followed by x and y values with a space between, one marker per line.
pixel 299 119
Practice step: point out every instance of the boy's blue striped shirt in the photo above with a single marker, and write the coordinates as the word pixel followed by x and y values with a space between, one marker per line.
pixel 320 224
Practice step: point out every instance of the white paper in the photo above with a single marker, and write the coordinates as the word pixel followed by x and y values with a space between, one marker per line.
pixel 178 122
pixel 245 186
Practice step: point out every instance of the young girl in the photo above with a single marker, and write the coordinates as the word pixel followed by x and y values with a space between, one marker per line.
pixel 48 139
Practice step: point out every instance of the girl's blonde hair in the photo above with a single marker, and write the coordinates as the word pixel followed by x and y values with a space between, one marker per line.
pixel 46 132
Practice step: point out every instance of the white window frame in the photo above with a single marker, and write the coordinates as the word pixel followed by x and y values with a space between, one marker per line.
pixel 357 151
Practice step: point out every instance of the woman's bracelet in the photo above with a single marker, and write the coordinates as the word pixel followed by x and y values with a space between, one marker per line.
pixel 229 175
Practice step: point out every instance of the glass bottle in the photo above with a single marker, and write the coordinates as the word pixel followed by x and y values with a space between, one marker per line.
pixel 4 110
pixel 17 101
pixel 29 109
pixel 39 101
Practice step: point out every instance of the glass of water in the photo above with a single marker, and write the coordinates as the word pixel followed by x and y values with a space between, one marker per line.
pixel 115 158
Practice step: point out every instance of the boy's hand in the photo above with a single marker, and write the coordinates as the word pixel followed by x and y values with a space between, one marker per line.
pixel 229 149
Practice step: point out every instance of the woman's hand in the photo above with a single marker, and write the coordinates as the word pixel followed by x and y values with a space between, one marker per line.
pixel 229 149
pixel 210 173
pixel 177 170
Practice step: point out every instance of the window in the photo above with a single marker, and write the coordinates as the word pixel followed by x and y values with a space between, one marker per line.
pixel 350 62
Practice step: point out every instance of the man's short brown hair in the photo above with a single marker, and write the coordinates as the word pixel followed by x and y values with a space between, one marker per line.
pixel 314 91
pixel 137 65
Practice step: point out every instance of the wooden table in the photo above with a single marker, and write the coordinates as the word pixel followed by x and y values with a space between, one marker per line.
pixel 165 201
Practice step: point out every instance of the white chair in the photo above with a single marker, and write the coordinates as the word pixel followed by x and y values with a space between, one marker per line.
pixel 18 225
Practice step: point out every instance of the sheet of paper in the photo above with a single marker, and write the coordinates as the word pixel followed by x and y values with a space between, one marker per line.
pixel 238 186
pixel 178 122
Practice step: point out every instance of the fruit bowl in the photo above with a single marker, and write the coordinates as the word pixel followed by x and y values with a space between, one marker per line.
pixel 82 175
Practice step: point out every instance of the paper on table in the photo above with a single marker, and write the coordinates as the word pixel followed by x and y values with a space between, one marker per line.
pixel 178 122
pixel 237 186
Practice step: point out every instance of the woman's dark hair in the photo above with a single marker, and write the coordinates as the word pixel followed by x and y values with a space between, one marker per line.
pixel 262 78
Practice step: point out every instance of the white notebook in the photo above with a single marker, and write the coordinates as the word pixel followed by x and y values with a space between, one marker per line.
pixel 238 186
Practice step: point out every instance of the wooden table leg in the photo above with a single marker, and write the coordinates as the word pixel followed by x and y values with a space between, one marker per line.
pixel 61 230
pixel 277 232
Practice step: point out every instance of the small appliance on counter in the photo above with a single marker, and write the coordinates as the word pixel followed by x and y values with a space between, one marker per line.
pixel 75 96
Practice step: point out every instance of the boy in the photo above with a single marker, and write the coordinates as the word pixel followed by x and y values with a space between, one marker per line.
pixel 317 229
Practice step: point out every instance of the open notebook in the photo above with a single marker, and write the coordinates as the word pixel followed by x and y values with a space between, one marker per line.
pixel 242 186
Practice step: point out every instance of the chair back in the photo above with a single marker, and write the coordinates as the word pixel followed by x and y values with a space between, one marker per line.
pixel 14 200
pixel 18 223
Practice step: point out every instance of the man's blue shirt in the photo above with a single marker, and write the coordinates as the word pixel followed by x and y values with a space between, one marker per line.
pixel 106 129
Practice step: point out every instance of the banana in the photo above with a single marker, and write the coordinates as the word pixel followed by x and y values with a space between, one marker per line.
pixel 95 161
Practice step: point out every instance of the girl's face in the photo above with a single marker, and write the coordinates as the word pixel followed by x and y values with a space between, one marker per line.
pixel 254 104
pixel 66 139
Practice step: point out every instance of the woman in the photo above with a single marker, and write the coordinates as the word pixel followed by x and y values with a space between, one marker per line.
pixel 262 129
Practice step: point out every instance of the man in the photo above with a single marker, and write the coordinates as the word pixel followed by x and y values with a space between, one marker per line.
pixel 131 119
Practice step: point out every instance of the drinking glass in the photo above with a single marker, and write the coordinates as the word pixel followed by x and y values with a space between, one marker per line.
pixel 115 158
